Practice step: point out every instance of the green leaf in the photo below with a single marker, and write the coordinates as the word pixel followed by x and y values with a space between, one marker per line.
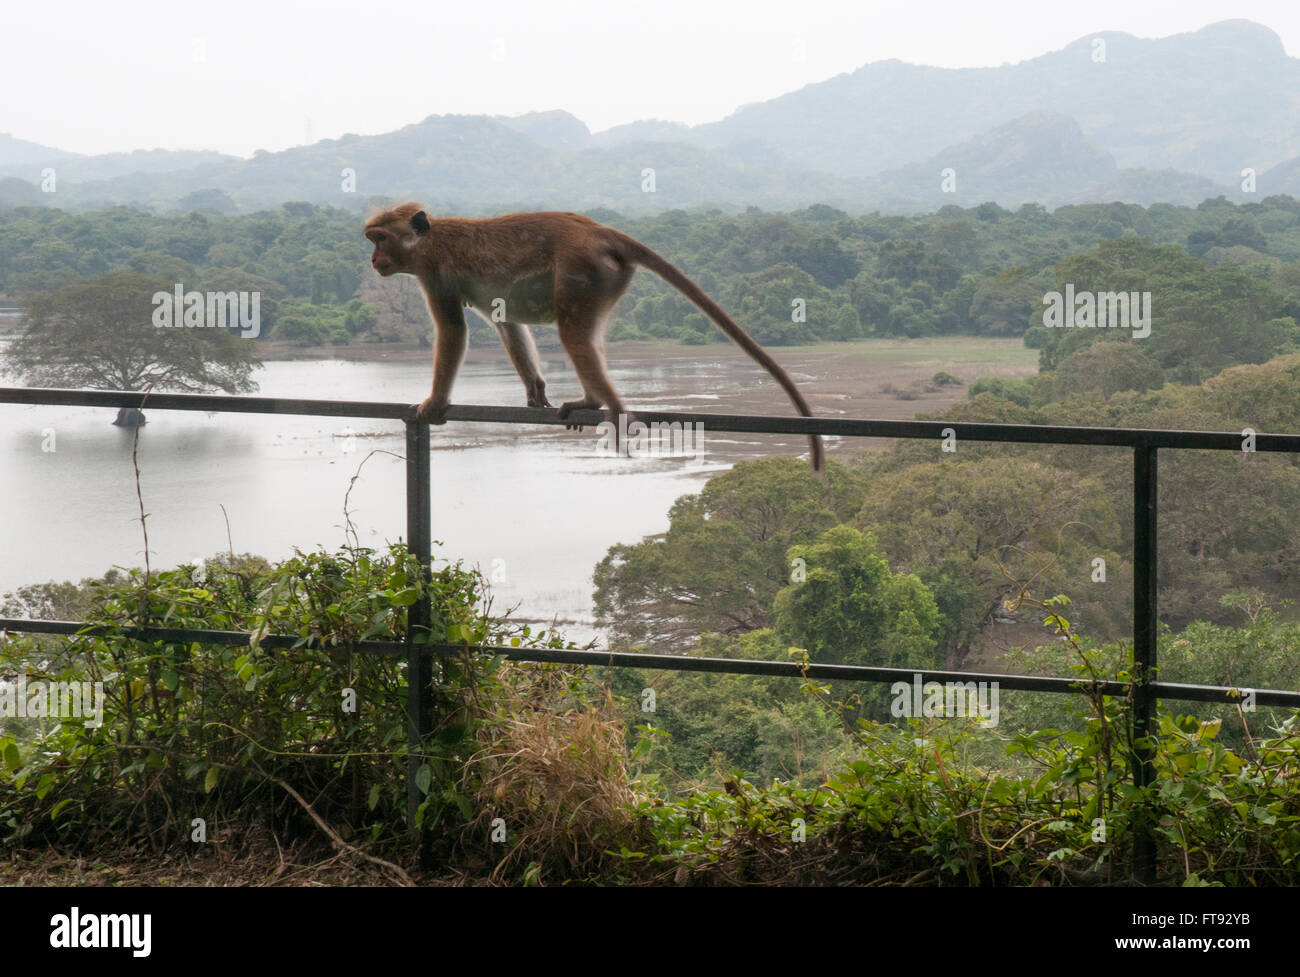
pixel 13 759
pixel 374 796
pixel 424 777
pixel 1262 814
pixel 170 680
pixel 60 806
pixel 210 781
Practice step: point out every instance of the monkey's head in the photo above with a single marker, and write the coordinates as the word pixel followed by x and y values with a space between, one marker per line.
pixel 395 234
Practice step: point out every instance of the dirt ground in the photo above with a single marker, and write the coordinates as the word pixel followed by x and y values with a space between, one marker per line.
pixel 885 379
pixel 211 868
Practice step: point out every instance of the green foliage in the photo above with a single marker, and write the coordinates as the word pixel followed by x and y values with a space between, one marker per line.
pixel 912 808
pixel 312 254
pixel 1014 389
pixel 316 325
pixel 1265 396
pixel 1005 303
pixel 1107 367
pixel 979 530
pixel 1202 319
pixel 982 270
pixel 243 735
pixel 846 607
pixel 225 732
pixel 723 558
pixel 707 724
pixel 1226 518
pixel 98 333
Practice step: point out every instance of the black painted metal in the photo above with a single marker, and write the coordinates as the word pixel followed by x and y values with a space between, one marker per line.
pixel 1145 689
pixel 754 424
pixel 1145 553
pixel 419 667
pixel 1221 694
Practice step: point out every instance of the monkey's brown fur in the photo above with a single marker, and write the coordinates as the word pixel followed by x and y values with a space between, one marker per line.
pixel 536 268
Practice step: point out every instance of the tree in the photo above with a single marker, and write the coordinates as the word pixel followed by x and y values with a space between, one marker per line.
pixel 764 725
pixel 850 609
pixel 1004 304
pixel 314 325
pixel 1228 519
pixel 977 529
pixel 912 261
pixel 1107 367
pixel 217 201
pixel 100 334
pixel 1202 319
pixel 724 556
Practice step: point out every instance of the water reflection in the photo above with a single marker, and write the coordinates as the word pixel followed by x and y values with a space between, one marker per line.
pixel 535 507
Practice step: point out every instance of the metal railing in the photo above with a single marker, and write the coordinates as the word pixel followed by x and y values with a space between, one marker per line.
pixel 1145 688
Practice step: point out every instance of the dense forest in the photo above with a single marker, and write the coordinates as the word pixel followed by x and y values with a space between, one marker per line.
pixel 976 271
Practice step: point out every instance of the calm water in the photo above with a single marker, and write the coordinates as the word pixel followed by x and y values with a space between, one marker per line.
pixel 537 506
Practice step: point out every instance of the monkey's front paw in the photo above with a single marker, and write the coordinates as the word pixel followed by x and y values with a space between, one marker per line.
pixel 432 412
pixel 568 407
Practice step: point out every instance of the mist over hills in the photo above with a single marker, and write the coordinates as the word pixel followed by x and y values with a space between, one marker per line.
pixel 1208 102
pixel 1108 117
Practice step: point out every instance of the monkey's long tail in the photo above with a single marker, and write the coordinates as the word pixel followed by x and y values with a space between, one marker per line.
pixel 669 273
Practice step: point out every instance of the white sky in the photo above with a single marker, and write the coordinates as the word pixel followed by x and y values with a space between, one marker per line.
pixel 92 76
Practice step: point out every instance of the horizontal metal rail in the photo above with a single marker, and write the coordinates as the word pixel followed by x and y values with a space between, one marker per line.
pixel 1221 694
pixel 743 423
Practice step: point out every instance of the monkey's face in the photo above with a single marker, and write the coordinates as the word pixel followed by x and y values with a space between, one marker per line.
pixel 392 253
pixel 395 237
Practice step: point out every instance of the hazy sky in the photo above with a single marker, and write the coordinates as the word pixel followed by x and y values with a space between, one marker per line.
pixel 236 76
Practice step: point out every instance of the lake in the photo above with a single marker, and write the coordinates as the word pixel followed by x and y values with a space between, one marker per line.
pixel 536 508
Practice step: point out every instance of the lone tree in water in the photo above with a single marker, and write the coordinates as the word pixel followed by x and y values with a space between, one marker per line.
pixel 101 333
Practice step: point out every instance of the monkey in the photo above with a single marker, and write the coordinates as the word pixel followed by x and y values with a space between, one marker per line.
pixel 538 268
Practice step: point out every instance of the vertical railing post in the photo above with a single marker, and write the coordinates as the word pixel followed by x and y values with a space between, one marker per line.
pixel 1145 548
pixel 419 663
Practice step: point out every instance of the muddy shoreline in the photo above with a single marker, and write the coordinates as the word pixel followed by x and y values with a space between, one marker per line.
pixel 875 378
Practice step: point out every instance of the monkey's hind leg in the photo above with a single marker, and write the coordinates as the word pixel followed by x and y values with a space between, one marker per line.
pixel 521 346
pixel 584 342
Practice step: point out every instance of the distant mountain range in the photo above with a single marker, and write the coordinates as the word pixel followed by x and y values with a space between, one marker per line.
pixel 1109 117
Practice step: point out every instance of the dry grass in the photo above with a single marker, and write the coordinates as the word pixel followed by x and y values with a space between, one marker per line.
pixel 559 781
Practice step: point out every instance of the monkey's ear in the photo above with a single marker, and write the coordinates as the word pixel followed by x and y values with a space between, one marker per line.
pixel 420 221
